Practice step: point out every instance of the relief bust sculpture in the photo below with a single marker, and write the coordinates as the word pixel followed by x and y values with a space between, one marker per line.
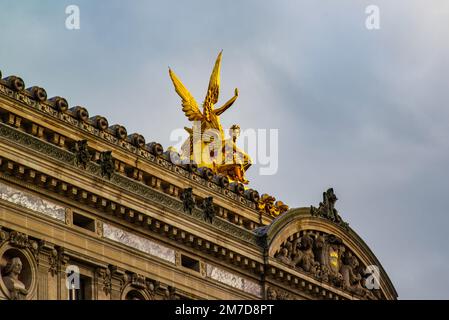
pixel 11 280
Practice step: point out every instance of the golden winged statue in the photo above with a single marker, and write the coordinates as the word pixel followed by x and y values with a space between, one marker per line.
pixel 206 145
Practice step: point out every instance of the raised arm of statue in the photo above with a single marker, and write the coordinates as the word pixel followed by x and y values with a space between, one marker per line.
pixel 226 106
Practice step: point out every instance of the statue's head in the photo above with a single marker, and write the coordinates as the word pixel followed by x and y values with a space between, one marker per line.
pixel 14 266
pixel 347 258
pixel 354 262
pixel 234 131
pixel 306 242
pixel 271 294
pixel 284 252
pixel 331 195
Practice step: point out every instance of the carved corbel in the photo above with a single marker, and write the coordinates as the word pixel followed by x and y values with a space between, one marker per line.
pixel 57 260
pixel 105 279
pixel 99 228
pixel 138 281
pixel 170 293
pixel 68 216
pixel 203 268
pixel 3 235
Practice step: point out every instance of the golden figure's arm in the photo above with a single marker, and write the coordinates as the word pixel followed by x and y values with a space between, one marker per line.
pixel 226 106
pixel 189 105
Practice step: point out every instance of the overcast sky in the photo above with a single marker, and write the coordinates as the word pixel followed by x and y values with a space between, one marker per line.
pixel 364 111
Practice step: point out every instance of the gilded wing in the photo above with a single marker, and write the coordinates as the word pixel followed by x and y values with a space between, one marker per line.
pixel 189 105
pixel 214 83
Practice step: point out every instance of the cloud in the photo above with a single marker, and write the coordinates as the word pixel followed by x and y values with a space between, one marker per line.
pixel 362 111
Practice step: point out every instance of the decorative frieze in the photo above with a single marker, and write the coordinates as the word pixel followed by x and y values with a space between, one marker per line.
pixel 233 280
pixel 32 202
pixel 139 243
pixel 145 221
pixel 119 180
pixel 146 152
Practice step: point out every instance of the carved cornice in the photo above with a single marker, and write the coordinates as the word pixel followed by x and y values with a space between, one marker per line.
pixel 68 118
pixel 120 181
pixel 269 232
pixel 140 220
pixel 262 237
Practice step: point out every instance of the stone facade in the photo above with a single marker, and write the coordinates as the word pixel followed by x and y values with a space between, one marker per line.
pixel 83 203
